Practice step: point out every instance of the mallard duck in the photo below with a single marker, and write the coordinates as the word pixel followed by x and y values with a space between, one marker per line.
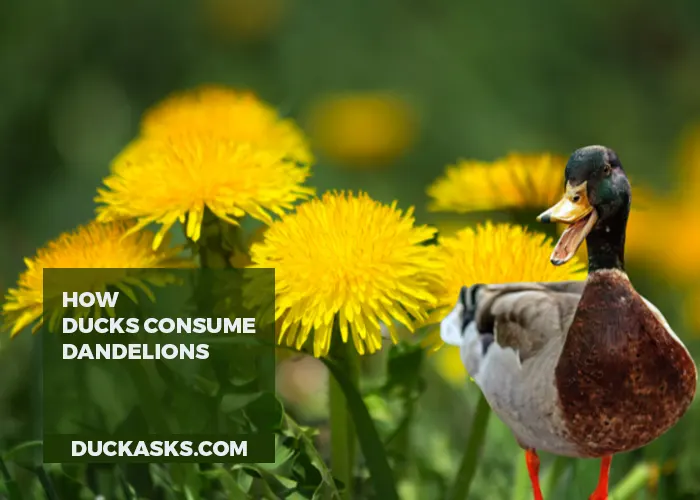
pixel 582 369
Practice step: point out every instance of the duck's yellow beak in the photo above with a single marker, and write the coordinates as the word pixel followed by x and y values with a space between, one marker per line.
pixel 574 209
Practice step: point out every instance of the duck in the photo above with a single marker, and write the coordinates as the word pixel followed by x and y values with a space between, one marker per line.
pixel 582 369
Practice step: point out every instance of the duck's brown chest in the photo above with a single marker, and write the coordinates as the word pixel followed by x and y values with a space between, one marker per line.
pixel 623 379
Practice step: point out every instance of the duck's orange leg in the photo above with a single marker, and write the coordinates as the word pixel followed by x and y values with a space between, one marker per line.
pixel 533 469
pixel 601 492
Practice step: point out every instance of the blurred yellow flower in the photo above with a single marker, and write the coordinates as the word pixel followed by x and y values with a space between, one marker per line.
pixel 363 129
pixel 246 20
pixel 448 363
pixel 227 114
pixel 667 238
pixel 106 247
pixel 493 253
pixel 352 257
pixel 664 231
pixel 515 181
pixel 174 178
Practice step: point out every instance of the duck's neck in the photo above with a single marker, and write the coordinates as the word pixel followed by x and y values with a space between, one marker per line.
pixel 606 243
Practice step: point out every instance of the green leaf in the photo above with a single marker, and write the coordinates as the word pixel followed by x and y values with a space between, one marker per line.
pixel 230 481
pixel 232 402
pixel 268 485
pixel 9 454
pixel 326 489
pixel 284 455
pixel 405 383
pixel 370 442
pixel 186 478
pixel 635 480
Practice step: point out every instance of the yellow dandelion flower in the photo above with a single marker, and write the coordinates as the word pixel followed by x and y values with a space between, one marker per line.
pixel 227 114
pixel 493 253
pixel 352 257
pixel 364 129
pixel 448 364
pixel 163 180
pixel 106 247
pixel 516 181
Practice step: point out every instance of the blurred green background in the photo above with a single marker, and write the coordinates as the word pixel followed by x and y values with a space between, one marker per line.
pixel 390 91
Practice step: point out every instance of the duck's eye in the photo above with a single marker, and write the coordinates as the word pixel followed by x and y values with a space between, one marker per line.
pixel 576 198
pixel 607 169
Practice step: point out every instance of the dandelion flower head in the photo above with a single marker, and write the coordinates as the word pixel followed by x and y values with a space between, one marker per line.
pixel 515 181
pixel 227 113
pixel 350 259
pixel 107 248
pixel 174 178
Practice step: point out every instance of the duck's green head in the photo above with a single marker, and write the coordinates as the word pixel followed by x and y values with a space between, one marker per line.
pixel 596 206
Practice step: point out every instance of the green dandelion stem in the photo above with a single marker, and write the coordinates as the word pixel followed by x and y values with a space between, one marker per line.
pixel 343 443
pixel 46 483
pixel 217 242
pixel 477 435
pixel 10 484
pixel 634 481
pixel 345 383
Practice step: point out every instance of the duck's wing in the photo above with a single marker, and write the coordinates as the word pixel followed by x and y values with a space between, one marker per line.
pixel 511 337
pixel 522 316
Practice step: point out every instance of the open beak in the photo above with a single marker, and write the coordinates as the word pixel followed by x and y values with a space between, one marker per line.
pixel 575 210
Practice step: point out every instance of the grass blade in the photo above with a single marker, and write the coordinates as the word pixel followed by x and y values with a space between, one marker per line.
pixel 467 468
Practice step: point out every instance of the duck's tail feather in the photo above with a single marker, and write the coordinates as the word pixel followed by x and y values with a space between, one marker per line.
pixel 454 326
pixel 460 329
